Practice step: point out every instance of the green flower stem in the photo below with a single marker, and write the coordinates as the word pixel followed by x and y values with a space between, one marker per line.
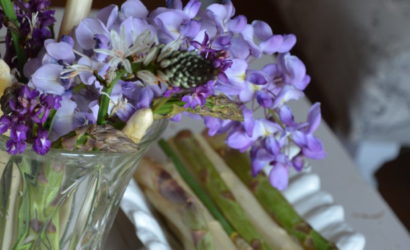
pixel 270 198
pixel 206 173
pixel 105 98
pixel 13 27
pixel 43 201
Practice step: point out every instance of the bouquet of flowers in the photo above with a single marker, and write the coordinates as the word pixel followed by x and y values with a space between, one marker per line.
pixel 107 80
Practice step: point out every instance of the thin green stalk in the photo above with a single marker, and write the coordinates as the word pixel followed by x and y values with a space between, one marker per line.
pixel 206 173
pixel 197 189
pixel 105 98
pixel 270 198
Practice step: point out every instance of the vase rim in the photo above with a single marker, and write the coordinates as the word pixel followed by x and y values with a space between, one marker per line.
pixel 153 133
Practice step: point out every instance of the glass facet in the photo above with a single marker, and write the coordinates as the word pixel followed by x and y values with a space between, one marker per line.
pixel 63 200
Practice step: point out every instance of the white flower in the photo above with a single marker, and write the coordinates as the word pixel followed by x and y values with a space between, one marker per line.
pixel 121 50
pixel 72 71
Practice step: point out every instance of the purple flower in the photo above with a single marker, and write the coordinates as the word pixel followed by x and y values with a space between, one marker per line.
pixel 42 144
pixel 261 158
pixel 216 125
pixel 237 24
pixel 279 176
pixel 87 30
pixel 294 71
pixel 239 139
pixel 19 132
pixel 5 124
pixel 26 116
pixel 35 21
pixel 47 79
pixel 302 134
pixel 64 118
pixel 15 147
pixel 60 51
pixel 199 96
pixel 134 8
pixel 108 15
pixel 220 14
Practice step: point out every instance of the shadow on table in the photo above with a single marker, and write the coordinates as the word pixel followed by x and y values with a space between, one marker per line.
pixel 394 185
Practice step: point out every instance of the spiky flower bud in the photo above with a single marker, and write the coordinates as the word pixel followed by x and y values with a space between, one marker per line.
pixel 186 69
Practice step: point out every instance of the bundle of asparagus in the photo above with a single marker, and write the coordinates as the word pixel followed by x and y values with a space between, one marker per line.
pixel 173 199
pixel 214 185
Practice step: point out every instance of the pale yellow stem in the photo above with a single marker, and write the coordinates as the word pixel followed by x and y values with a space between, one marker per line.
pixel 74 12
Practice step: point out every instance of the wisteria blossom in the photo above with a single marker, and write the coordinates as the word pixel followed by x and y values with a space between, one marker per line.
pixel 175 60
pixel 35 21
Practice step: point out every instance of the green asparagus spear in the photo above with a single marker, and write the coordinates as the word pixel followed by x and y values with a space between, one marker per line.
pixel 196 188
pixel 270 198
pixel 189 180
pixel 211 181
pixel 275 236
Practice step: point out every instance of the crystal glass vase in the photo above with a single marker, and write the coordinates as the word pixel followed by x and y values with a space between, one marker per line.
pixel 63 200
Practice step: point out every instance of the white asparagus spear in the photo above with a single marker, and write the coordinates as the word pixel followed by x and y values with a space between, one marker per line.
pixel 74 12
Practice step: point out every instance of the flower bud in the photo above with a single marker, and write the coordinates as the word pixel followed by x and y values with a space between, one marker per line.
pixel 138 124
pixel 5 76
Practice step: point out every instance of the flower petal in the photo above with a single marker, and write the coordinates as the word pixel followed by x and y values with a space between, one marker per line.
pixel 86 31
pixel 192 8
pixel 108 15
pixel 60 51
pixel 47 79
pixel 134 8
pixel 314 148
pixel 279 177
pixel 314 118
pixel 262 30
pixel 239 140
pixel 237 24
pixel 64 118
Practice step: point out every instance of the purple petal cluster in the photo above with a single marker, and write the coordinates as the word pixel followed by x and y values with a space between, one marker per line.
pixel 198 96
pixel 35 21
pixel 25 116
